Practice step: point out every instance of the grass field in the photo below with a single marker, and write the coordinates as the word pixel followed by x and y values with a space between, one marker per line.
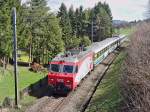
pixel 107 96
pixel 125 31
pixel 25 103
pixel 25 79
pixel 23 56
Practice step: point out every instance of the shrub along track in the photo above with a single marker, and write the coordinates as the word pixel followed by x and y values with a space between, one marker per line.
pixel 78 99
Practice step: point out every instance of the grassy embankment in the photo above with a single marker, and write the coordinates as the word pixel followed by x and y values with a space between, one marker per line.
pixel 26 78
pixel 136 76
pixel 107 96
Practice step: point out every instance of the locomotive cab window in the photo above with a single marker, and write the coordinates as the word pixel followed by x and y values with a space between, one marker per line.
pixel 55 67
pixel 68 69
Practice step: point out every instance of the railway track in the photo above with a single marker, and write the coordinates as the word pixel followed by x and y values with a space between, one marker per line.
pixel 78 100
pixel 63 102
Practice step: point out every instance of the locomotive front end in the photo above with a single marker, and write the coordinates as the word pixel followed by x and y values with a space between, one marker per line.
pixel 61 77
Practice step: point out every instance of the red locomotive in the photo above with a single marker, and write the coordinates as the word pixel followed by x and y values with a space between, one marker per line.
pixel 67 70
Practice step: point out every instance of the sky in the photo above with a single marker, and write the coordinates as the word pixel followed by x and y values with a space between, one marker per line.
pixel 128 10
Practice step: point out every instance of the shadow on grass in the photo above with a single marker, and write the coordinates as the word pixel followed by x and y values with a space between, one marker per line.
pixel 38 89
pixel 41 89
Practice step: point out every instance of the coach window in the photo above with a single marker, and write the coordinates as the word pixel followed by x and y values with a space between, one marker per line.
pixel 68 69
pixel 55 67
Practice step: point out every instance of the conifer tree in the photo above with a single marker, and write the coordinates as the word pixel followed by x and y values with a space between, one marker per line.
pixel 44 28
pixel 72 18
pixel 65 25
pixel 6 28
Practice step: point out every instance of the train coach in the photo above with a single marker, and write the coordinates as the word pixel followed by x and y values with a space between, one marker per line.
pixel 67 70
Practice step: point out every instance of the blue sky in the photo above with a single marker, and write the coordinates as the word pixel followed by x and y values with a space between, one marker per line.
pixel 121 9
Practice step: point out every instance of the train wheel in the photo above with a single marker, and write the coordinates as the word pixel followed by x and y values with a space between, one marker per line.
pixel 75 89
pixel 90 72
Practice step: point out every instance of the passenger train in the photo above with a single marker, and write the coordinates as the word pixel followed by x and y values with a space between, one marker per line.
pixel 67 70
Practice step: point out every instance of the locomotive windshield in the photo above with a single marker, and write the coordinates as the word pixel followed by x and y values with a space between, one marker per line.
pixel 55 67
pixel 68 69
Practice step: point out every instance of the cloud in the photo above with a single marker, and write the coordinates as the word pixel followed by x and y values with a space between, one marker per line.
pixel 121 9
pixel 128 9
pixel 55 4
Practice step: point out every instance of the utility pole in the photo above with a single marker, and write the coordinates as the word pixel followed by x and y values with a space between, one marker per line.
pixel 92 31
pixel 15 58
pixel 92 27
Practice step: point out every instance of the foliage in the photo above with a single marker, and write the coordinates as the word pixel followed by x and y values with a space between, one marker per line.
pixel 65 25
pixel 73 21
pixel 43 34
pixel 74 42
pixel 100 15
pixel 78 22
pixel 85 41
pixel 102 22
pixel 5 28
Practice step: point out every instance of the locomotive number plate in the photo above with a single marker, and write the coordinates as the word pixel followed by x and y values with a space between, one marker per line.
pixel 60 80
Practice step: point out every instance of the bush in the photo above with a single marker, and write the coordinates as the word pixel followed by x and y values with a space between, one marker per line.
pixel 36 67
pixel 8 102
pixel 136 76
pixel 85 41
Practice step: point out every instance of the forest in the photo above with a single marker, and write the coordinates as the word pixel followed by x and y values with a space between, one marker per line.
pixel 42 33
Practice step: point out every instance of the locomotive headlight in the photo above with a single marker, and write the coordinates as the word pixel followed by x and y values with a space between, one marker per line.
pixel 52 79
pixel 68 81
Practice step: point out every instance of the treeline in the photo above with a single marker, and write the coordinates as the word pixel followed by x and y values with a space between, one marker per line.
pixel 44 34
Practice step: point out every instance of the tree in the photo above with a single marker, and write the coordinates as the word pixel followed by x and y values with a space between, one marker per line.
pixel 108 10
pixel 37 10
pixel 6 28
pixel 86 27
pixel 85 41
pixel 42 31
pixel 23 27
pixel 79 21
pixel 65 25
pixel 102 22
pixel 73 21
pixel 53 43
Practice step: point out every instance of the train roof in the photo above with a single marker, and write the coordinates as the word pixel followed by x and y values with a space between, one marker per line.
pixel 71 58
pixel 98 46
pixel 95 47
